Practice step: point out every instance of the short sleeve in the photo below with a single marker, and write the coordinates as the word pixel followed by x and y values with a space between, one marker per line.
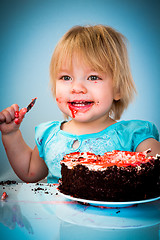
pixel 42 132
pixel 142 131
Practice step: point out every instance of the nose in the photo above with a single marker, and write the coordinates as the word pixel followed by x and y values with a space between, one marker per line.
pixel 78 87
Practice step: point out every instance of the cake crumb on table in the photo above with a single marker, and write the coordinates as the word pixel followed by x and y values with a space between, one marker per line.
pixel 4 196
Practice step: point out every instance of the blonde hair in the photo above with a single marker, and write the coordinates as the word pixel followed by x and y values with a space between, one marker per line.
pixel 104 49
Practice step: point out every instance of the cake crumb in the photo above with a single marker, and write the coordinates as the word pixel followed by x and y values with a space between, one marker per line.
pixel 4 196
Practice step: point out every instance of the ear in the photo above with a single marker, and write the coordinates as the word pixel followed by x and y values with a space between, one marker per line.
pixel 117 96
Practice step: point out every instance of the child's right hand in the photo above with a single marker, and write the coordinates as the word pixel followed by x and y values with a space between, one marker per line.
pixel 11 118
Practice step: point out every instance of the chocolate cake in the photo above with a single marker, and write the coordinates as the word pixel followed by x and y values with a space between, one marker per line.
pixel 115 176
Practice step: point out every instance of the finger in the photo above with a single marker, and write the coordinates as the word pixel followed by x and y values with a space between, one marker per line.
pixel 16 114
pixel 10 112
pixel 15 107
pixel 7 116
pixel 20 116
pixel 17 121
pixel 22 113
pixel 2 117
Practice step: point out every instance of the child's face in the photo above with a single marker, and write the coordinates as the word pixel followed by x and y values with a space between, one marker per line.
pixel 82 93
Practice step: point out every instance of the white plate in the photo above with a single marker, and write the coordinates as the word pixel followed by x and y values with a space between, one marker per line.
pixel 108 204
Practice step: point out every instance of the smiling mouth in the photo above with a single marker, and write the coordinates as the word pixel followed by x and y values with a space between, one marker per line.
pixel 79 106
pixel 80 103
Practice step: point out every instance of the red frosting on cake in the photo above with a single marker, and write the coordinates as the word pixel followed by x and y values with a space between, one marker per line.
pixel 116 157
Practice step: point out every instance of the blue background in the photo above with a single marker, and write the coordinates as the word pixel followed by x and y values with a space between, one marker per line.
pixel 29 32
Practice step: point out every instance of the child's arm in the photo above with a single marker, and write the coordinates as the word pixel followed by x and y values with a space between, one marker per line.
pixel 25 162
pixel 149 143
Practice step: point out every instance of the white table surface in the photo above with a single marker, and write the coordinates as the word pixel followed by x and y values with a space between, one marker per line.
pixel 29 213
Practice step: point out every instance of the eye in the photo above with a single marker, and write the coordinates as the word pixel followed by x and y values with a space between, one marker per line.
pixel 94 78
pixel 65 78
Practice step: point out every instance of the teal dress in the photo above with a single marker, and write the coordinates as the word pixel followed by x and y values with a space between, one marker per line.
pixel 53 143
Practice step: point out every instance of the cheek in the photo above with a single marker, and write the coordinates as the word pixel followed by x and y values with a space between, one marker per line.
pixel 59 92
pixel 59 100
pixel 62 103
pixel 104 98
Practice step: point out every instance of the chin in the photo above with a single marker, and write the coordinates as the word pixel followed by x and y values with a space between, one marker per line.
pixel 83 119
